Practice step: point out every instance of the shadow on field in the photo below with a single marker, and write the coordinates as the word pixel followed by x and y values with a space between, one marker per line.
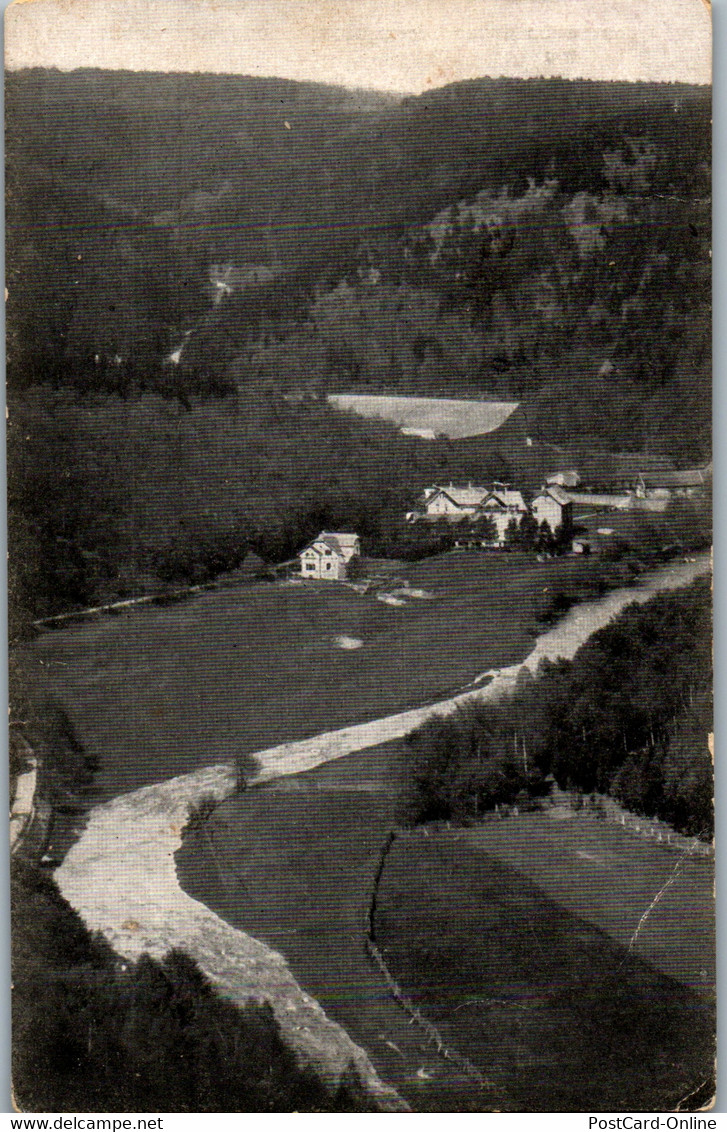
pixel 562 1017
pixel 553 1010
pixel 292 863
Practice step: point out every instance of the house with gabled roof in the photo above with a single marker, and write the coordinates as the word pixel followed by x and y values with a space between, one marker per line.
pixel 552 506
pixel 328 556
pixel 503 505
pixel 453 502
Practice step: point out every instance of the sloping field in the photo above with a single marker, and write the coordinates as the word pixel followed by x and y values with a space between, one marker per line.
pixel 513 938
pixel 293 863
pixel 157 692
pixel 564 1016
pixel 439 416
pixel 610 876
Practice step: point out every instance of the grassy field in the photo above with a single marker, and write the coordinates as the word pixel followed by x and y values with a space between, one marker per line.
pixel 609 876
pixel 535 980
pixel 155 692
pixel 442 416
pixel 293 864
pixel 512 938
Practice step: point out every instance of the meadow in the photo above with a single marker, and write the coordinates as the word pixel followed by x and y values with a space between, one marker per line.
pixel 512 938
pixel 155 692
pixel 537 983
pixel 292 863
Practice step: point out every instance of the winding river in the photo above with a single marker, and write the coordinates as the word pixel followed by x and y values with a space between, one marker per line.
pixel 121 876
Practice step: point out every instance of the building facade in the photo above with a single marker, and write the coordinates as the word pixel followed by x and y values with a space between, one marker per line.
pixel 503 506
pixel 327 558
pixel 553 507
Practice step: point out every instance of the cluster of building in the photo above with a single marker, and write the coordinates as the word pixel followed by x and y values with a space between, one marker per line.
pixel 501 504
pixel 634 482
pixel 328 556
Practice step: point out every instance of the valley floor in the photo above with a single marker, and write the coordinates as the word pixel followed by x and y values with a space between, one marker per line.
pixel 513 938
pixel 291 862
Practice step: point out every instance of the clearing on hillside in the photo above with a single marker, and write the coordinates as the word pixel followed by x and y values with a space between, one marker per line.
pixel 429 417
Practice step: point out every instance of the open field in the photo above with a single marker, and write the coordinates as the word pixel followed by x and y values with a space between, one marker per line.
pixel 157 692
pixel 292 863
pixel 512 938
pixel 557 1009
pixel 609 876
pixel 440 416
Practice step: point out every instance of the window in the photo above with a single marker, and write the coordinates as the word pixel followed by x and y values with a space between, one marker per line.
pixel 329 565
pixel 310 565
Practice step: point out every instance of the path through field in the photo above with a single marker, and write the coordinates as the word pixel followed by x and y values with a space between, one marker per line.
pixel 563 640
pixel 120 874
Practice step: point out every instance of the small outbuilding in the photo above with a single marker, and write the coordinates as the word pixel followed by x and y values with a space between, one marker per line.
pixel 568 477
pixel 328 556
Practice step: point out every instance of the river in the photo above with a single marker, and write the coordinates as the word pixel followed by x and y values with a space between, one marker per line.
pixel 120 875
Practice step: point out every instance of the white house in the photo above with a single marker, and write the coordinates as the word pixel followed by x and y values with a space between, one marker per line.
pixel 453 502
pixel 503 505
pixel 328 556
pixel 553 506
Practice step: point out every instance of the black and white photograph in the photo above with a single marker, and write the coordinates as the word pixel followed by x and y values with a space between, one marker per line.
pixel 359 488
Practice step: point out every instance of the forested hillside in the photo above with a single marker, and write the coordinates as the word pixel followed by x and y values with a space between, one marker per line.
pixel 540 238
pixel 183 249
pixel 630 715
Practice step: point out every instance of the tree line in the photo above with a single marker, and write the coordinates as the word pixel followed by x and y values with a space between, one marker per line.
pixel 628 716
pixel 92 1033
pixel 111 498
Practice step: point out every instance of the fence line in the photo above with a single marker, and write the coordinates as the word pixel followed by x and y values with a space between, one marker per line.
pixel 608 809
pixel 644 826
pixel 648 827
pixel 415 1016
pixel 658 831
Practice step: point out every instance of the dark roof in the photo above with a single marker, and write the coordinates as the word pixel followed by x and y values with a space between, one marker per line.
pixel 690 477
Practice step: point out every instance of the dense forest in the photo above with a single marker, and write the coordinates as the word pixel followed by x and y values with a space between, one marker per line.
pixel 193 260
pixel 91 1033
pixel 628 716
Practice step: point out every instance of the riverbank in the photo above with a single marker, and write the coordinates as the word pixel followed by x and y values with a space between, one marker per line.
pixel 120 874
pixel 120 877
pixel 152 693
